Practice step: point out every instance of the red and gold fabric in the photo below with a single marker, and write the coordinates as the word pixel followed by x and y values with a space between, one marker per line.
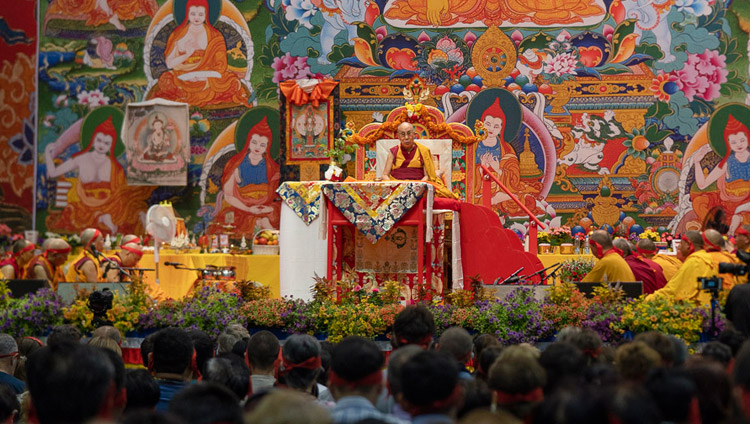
pixel 415 165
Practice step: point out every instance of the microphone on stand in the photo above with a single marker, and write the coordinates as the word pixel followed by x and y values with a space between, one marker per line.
pixel 512 278
pixel 541 271
pixel 174 264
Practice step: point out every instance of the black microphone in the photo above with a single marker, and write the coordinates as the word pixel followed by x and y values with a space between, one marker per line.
pixel 94 251
pixel 512 278
pixel 175 264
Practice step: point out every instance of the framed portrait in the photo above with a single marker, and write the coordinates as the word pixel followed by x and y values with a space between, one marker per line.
pixel 309 133
pixel 157 143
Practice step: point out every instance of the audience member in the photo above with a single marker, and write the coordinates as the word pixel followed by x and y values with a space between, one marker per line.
pixel 486 359
pixel 389 400
pixel 741 376
pixel 674 394
pixel 142 390
pixel 413 325
pixel 143 416
pixel 737 308
pixel 661 343
pixel 483 341
pixel 230 371
pixel 356 380
pixel 732 338
pixel 65 333
pixel 590 344
pixel 456 343
pixel 120 395
pixel 207 403
pixel 563 364
pixel 171 363
pixel 430 388
pixel 110 332
pixel 714 391
pixel 326 348
pixel 517 380
pixel 263 352
pixel 718 352
pixel 26 346
pixel 288 407
pixel 204 347
pixel 300 364
pixel 635 360
pixel 105 343
pixel 9 406
pixel 9 358
pixel 231 335
pixel 70 383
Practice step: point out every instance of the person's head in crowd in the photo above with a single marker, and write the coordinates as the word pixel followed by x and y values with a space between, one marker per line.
pixel 287 407
pixel 396 363
pixel 203 345
pixel 206 403
pixel 523 349
pixel 714 390
pixel 690 242
pixel 240 348
pixel 713 241
pixel 630 404
pixel 456 342
pixel 601 374
pixel 732 338
pixel 92 238
pixel 146 416
pixel 590 344
pixel 120 396
pixel 263 352
pixel 741 369
pixel 623 245
pixel 742 238
pixel 601 243
pixel 516 381
pixel 646 248
pixel 143 391
pixel 108 331
pixel 485 416
pixel 483 341
pixel 300 363
pixel 231 372
pixel 675 395
pixel 718 352
pixel 477 395
pixel 680 350
pixel 106 343
pixel 429 384
pixel 486 359
pixel 9 355
pixel 566 334
pixel 230 336
pixel 326 348
pixel 26 346
pixel 147 346
pixel 635 360
pixel 10 408
pixel 70 383
pixel 413 325
pixel 661 344
pixel 563 364
pixel 356 369
pixel 172 354
pixel 65 333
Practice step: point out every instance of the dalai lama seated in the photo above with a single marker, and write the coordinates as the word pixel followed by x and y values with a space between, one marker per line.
pixel 413 161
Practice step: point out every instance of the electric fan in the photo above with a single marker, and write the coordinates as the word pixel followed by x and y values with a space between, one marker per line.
pixel 161 224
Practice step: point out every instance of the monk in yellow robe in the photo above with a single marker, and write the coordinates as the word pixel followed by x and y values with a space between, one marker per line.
pixel 15 266
pixel 713 243
pixel 84 268
pixel 249 184
pixel 698 263
pixel 492 12
pixel 49 265
pixel 669 263
pixel 610 267
pixel 413 161
pixel 100 196
pixel 196 55
pixel 498 155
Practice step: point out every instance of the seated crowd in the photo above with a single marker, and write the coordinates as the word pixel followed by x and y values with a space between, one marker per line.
pixel 243 378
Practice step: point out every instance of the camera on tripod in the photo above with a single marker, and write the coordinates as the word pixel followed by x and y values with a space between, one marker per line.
pixel 736 269
pixel 712 284
pixel 100 301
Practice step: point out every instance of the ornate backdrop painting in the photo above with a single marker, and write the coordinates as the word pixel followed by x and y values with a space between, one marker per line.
pixel 17 57
pixel 616 102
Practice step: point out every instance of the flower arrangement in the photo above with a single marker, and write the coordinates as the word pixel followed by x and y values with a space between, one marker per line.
pixel 265 312
pixel 575 269
pixel 650 235
pixel 681 319
pixel 515 319
pixel 667 237
pixel 565 306
pixel 560 235
pixel 543 237
pixel 32 314
pixel 211 310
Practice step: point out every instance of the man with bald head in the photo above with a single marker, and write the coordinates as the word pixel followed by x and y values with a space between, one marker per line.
pixel 15 266
pixel 85 267
pixel 644 270
pixel 611 266
pixel 129 255
pixel 412 161
pixel 698 263
pixel 49 265
pixel 669 263
pixel 713 243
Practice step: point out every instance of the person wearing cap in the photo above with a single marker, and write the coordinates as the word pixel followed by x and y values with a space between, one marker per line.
pixel 669 263
pixel 85 267
pixel 698 263
pixel 356 380
pixel 15 266
pixel 611 266
pixel 49 265
pixel 129 255
pixel 9 359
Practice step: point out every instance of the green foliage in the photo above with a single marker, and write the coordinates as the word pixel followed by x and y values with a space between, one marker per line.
pixel 658 110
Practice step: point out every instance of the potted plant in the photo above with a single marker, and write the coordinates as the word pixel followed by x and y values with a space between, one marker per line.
pixel 544 244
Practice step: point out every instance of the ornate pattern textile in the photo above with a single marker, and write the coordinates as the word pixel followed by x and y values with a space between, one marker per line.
pixel 303 197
